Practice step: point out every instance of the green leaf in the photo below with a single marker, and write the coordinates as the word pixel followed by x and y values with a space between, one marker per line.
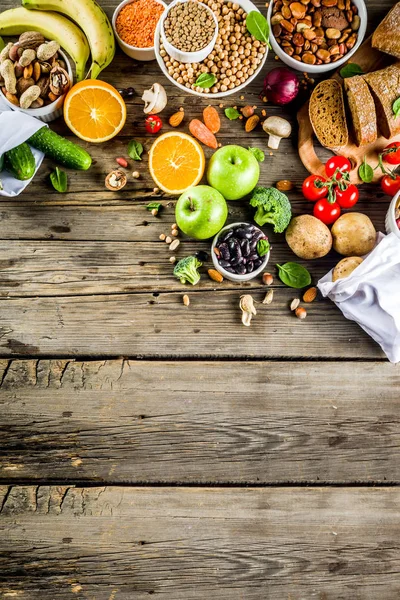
pixel 135 150
pixel 2 44
pixel 232 113
pixel 257 25
pixel 263 247
pixel 59 180
pixel 154 205
pixel 365 171
pixel 396 107
pixel 294 275
pixel 1 162
pixel 350 70
pixel 206 80
pixel 257 153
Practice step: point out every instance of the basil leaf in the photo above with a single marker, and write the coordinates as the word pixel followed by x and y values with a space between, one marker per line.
pixel 396 107
pixel 257 153
pixel 135 150
pixel 263 247
pixel 294 275
pixel 365 171
pixel 154 205
pixel 232 113
pixel 59 180
pixel 205 80
pixel 257 25
pixel 350 70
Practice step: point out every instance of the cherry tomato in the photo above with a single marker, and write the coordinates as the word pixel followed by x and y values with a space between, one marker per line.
pixel 390 185
pixel 153 124
pixel 337 162
pixel 311 190
pixel 391 154
pixel 398 223
pixel 326 212
pixel 348 197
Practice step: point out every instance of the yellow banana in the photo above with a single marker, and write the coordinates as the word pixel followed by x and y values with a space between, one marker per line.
pixel 53 27
pixel 94 22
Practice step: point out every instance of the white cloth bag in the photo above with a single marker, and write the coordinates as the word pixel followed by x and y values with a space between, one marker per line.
pixel 370 296
pixel 15 128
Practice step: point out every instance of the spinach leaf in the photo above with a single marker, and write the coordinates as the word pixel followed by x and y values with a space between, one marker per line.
pixel 206 80
pixel 396 107
pixel 232 113
pixel 350 70
pixel 263 247
pixel 59 180
pixel 365 171
pixel 294 275
pixel 135 150
pixel 257 153
pixel 257 25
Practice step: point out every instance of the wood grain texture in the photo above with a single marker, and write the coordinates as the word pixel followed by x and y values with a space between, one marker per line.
pixel 127 421
pixel 122 543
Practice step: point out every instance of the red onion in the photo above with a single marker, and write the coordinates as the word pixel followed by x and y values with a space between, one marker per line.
pixel 280 86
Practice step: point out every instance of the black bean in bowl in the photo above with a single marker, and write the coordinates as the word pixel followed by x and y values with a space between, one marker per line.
pixel 236 249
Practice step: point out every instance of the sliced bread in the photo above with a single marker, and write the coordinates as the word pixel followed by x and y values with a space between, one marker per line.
pixel 386 36
pixel 327 114
pixel 385 88
pixel 362 110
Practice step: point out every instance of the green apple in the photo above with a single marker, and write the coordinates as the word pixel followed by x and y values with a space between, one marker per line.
pixel 233 171
pixel 201 212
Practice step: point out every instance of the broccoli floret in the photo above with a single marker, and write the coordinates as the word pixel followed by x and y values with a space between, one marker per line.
pixel 186 270
pixel 272 207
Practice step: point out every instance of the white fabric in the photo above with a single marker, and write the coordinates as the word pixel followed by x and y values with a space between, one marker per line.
pixel 15 128
pixel 370 296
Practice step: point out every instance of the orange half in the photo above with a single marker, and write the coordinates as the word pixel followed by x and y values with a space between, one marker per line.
pixel 176 162
pixel 94 111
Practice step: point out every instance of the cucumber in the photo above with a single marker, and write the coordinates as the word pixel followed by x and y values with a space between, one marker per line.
pixel 60 149
pixel 20 162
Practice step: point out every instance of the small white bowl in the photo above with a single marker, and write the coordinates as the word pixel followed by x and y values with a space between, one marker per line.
pixel 390 221
pixel 247 6
pixel 301 66
pixel 188 57
pixel 52 111
pixel 140 54
pixel 234 276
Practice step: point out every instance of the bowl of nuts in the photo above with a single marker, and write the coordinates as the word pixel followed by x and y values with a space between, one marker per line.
pixel 318 36
pixel 235 60
pixel 35 75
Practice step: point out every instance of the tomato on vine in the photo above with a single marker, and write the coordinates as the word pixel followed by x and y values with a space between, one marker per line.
pixel 327 212
pixel 390 184
pixel 391 154
pixel 338 166
pixel 313 188
pixel 347 197
pixel 153 124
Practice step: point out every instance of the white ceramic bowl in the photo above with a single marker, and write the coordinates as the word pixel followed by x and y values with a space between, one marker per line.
pixel 188 57
pixel 247 6
pixel 234 276
pixel 390 221
pixel 51 111
pixel 141 54
pixel 316 69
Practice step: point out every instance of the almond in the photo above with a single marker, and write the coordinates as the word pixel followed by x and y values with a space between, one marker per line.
pixel 252 123
pixel 215 275
pixel 284 185
pixel 176 119
pixel 310 294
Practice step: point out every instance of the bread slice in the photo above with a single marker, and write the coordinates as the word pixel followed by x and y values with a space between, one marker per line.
pixel 386 36
pixel 327 114
pixel 385 88
pixel 362 110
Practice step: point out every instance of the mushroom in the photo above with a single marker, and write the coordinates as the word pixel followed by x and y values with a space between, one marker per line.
pixel 277 128
pixel 155 99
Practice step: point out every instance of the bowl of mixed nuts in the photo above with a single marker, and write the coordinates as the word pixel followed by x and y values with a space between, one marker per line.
pixel 236 58
pixel 316 36
pixel 35 75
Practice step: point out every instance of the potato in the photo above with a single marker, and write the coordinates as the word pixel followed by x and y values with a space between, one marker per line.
pixel 308 237
pixel 353 234
pixel 345 267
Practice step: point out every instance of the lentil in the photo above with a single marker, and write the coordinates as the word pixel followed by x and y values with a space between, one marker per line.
pixel 189 26
pixel 136 22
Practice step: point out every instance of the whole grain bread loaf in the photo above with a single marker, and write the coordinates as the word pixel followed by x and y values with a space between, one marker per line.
pixel 327 114
pixel 362 110
pixel 386 36
pixel 385 88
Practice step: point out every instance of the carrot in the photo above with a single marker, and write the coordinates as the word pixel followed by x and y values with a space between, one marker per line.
pixel 202 133
pixel 136 22
pixel 211 119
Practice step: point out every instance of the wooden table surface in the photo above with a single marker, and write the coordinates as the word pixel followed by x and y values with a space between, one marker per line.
pixel 149 448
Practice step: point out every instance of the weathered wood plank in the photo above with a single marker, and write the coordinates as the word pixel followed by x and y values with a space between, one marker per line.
pixel 127 421
pixel 124 543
